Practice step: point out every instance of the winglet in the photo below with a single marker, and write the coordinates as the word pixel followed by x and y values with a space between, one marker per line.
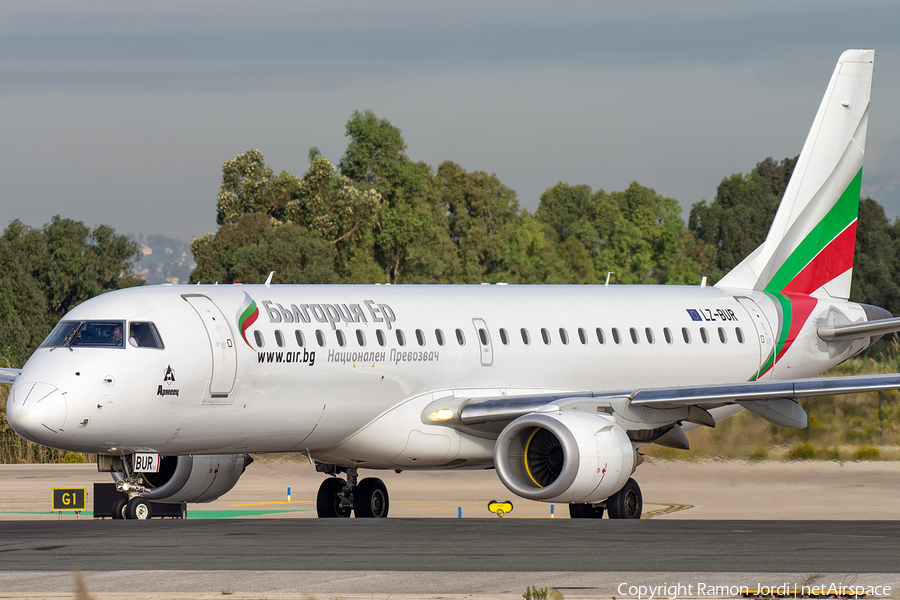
pixel 8 376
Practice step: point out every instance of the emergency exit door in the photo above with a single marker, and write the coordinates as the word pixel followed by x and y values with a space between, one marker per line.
pixel 483 337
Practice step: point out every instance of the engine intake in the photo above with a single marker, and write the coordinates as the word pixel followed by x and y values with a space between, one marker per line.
pixel 564 457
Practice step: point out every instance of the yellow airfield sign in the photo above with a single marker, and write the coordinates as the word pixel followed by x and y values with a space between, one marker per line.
pixel 69 498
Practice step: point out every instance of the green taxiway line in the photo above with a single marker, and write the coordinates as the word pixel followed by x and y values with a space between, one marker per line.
pixel 193 514
pixel 227 514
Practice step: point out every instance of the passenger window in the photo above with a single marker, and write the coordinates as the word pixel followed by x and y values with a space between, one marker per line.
pixel 439 336
pixel 616 337
pixel 379 335
pixel 668 334
pixel 144 335
pixel 722 337
pixel 545 335
pixel 739 334
pixel 360 338
pixel 279 338
pixel 341 338
pixel 686 335
pixel 504 337
pixel 563 336
pixel 635 338
pixel 320 338
pixel 420 337
pixel 526 339
pixel 650 337
pixel 483 335
pixel 460 337
pixel 258 336
pixel 582 335
pixel 703 335
pixel 601 337
pixel 401 338
pixel 301 339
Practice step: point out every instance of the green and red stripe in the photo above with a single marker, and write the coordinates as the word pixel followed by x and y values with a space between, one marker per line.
pixel 826 253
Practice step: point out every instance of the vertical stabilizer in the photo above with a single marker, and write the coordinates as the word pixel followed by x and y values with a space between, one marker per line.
pixel 809 249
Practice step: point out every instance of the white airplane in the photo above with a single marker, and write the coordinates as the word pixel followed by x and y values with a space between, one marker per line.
pixel 557 387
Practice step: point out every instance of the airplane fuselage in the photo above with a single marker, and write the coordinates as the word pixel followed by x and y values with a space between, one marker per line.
pixel 252 368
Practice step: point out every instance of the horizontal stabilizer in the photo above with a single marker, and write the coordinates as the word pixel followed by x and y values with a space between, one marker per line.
pixel 858 330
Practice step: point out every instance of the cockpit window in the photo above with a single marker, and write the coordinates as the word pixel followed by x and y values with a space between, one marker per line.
pixel 87 334
pixel 59 334
pixel 144 335
pixel 107 334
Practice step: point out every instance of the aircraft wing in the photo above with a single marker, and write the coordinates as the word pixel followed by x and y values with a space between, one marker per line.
pixel 8 376
pixel 761 397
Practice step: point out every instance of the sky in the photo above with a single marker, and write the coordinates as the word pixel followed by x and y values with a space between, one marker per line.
pixel 122 113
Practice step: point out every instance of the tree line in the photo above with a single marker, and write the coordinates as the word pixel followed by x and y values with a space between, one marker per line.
pixel 380 216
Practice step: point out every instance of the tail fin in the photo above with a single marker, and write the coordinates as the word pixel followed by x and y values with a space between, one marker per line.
pixel 809 249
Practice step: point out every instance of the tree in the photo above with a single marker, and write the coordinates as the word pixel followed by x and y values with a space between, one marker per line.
pixel 570 211
pixel 875 262
pixel 246 188
pixel 46 272
pixel 738 220
pixel 408 226
pixel 482 218
pixel 248 250
pixel 376 152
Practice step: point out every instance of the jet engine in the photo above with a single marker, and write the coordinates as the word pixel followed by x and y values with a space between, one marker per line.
pixel 570 456
pixel 193 478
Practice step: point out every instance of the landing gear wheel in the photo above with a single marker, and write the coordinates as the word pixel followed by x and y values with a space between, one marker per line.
pixel 370 499
pixel 139 509
pixel 626 503
pixel 586 511
pixel 118 508
pixel 328 500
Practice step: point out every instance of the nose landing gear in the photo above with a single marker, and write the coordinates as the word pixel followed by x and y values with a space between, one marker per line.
pixel 134 506
pixel 337 498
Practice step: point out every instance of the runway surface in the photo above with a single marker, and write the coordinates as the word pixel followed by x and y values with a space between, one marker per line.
pixel 452 545
pixel 744 524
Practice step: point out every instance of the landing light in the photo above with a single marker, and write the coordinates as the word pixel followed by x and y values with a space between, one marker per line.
pixel 441 414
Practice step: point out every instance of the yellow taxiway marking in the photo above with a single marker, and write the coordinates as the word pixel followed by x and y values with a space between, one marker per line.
pixel 272 502
pixel 667 509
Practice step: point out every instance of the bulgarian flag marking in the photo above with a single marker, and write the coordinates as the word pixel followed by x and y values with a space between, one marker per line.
pixel 246 316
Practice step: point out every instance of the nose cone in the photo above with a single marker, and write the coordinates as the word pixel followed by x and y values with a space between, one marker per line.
pixel 36 411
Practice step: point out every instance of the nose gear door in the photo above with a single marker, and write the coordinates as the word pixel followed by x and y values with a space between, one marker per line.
pixel 221 342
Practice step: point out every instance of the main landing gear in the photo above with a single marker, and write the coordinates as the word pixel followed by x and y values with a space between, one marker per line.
pixel 627 503
pixel 337 497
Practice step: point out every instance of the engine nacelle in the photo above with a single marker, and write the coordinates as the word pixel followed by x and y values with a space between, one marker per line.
pixel 564 457
pixel 195 478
